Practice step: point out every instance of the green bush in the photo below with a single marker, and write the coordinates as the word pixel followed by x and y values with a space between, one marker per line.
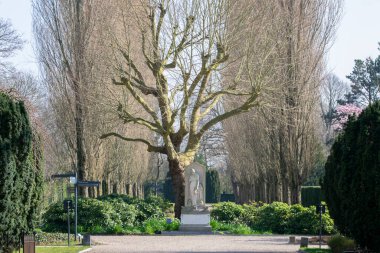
pixel 251 211
pixel 112 214
pixel 150 207
pixel 339 244
pixel 153 225
pixel 352 177
pixel 276 217
pixel 304 220
pixel 273 217
pixel 228 212
pixel 93 216
pixel 126 212
pixel 147 210
pixel 233 228
pixel 163 204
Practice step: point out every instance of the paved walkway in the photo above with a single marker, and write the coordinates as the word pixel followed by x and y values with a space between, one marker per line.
pixel 192 243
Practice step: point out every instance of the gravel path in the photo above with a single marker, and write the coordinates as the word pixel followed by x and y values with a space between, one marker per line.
pixel 192 243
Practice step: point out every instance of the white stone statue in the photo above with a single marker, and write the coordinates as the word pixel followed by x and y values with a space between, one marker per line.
pixel 195 214
pixel 194 187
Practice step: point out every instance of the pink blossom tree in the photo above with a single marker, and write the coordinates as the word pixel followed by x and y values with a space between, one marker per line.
pixel 342 114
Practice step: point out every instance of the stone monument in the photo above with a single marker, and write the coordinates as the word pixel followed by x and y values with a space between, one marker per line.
pixel 195 215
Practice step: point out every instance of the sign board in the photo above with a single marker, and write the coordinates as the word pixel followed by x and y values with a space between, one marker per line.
pixel 88 183
pixel 73 180
pixel 67 204
pixel 320 208
pixel 63 175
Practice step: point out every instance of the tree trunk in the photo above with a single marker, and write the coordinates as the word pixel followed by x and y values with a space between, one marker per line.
pixel 178 181
pixel 295 194
pixel 134 190
pixel 285 191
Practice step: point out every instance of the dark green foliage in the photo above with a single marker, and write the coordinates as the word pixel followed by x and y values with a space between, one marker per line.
pixel 92 214
pixel 304 220
pixel 20 173
pixel 365 81
pixel 107 214
pixel 311 195
pixel 339 244
pixel 147 210
pixel 277 217
pixel 168 188
pixel 227 212
pixel 352 179
pixel 273 217
pixel 212 186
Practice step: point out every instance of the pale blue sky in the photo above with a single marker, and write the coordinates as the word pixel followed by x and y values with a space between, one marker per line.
pixel 357 35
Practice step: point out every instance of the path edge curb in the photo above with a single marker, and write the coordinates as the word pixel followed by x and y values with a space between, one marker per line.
pixel 85 250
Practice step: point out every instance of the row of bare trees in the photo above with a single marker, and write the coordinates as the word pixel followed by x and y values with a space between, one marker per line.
pixel 76 42
pixel 272 150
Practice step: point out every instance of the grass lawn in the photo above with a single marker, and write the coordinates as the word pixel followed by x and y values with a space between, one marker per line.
pixel 58 249
pixel 309 250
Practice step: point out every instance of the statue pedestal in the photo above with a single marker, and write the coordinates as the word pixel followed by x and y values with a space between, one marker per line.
pixel 195 220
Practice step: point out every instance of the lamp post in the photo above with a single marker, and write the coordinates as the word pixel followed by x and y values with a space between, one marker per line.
pixel 76 183
pixel 71 175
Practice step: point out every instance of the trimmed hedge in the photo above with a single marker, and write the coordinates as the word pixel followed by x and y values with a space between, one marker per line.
pixel 311 195
pixel 168 188
pixel 278 217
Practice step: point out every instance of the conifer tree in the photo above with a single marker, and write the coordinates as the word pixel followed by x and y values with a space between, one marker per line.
pixel 20 173
pixel 351 182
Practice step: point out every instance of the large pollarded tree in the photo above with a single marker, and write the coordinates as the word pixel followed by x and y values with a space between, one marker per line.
pixel 186 46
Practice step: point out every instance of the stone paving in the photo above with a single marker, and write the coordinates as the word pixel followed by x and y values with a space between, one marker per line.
pixel 192 243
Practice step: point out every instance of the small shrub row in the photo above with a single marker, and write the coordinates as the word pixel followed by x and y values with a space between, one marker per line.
pixel 43 238
pixel 113 214
pixel 278 217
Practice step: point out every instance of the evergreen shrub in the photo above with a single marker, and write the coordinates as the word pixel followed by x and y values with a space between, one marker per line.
pixel 212 186
pixel 21 180
pixel 352 179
